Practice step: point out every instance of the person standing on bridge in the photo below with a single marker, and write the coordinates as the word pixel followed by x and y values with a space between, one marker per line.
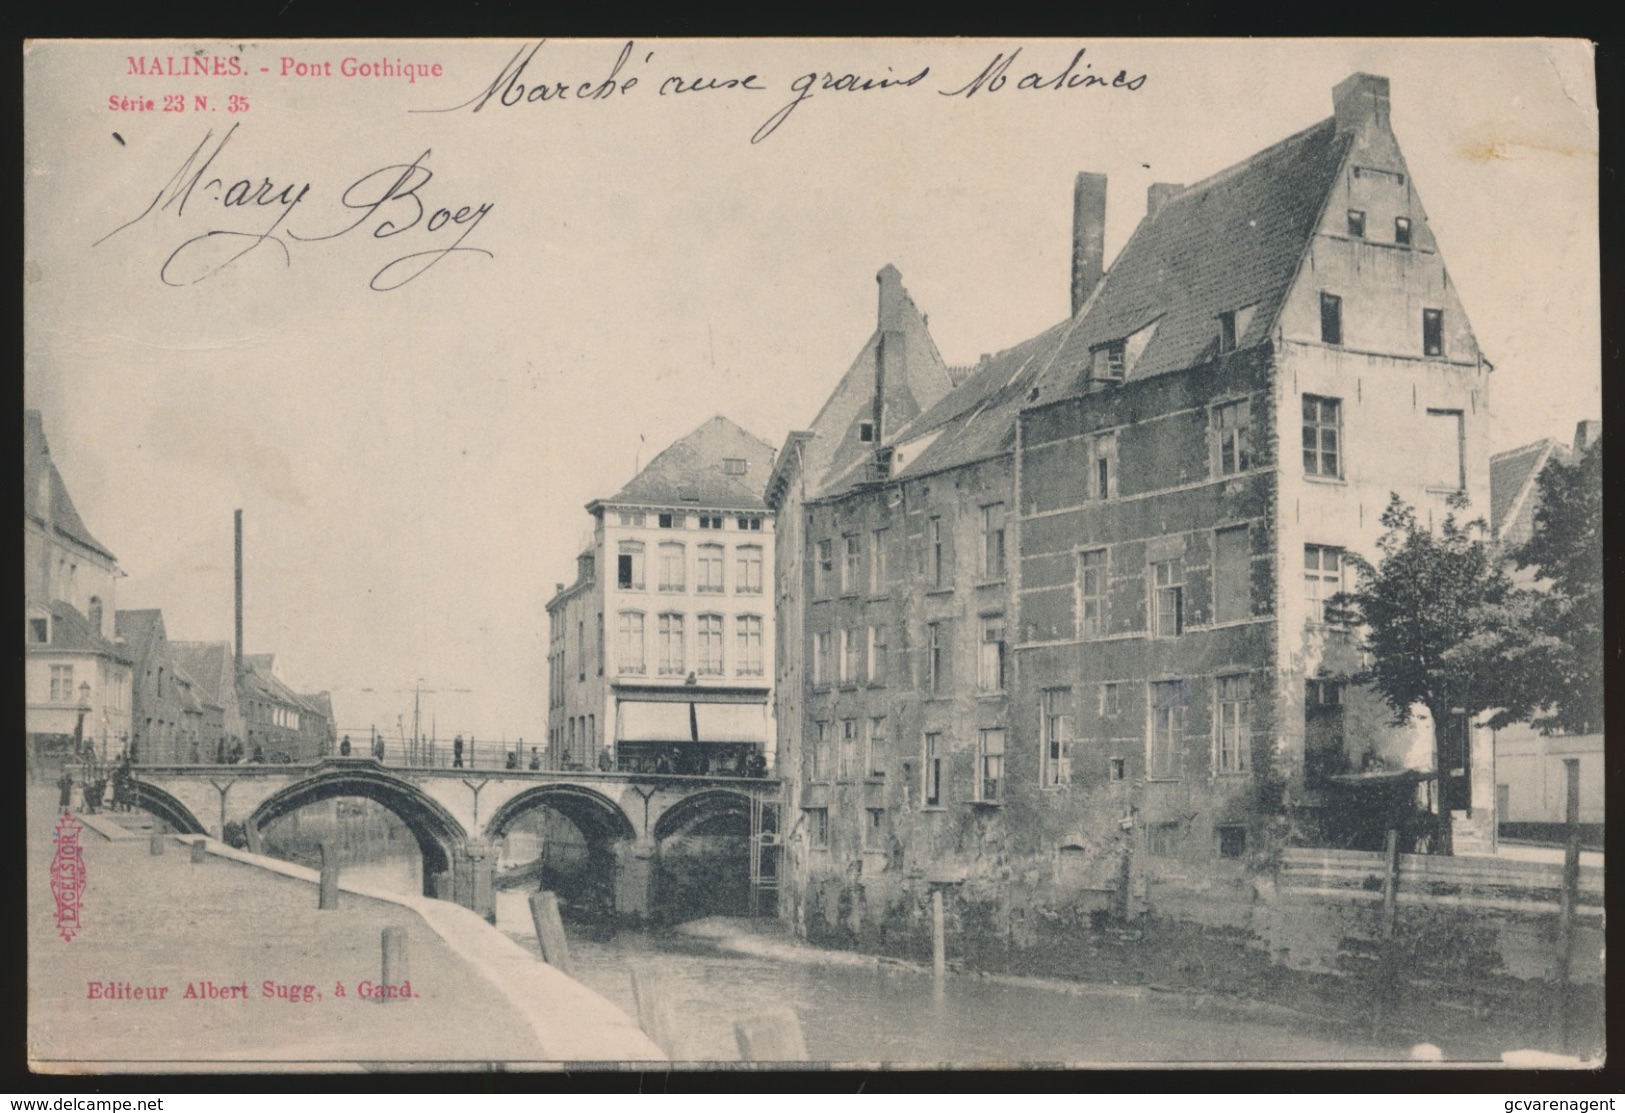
pixel 344 747
pixel 535 758
pixel 378 748
pixel 457 752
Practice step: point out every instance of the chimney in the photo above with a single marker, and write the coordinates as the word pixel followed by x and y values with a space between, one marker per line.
pixel 1088 236
pixel 1586 434
pixel 1159 193
pixel 890 352
pixel 1359 99
pixel 238 518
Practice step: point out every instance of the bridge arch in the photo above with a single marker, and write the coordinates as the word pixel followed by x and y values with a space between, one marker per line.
pixel 584 859
pixel 151 798
pixel 440 837
pixel 596 815
pixel 702 856
pixel 701 808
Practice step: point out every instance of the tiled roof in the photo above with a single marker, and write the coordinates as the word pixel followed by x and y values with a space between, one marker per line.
pixel 693 472
pixel 72 631
pixel 1512 479
pixel 38 466
pixel 137 626
pixel 209 664
pixel 259 679
pixel 1232 241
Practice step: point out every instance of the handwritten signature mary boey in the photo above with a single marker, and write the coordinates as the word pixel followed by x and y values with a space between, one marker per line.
pixel 68 877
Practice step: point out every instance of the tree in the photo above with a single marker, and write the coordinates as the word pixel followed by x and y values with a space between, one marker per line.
pixel 1440 615
pixel 1565 549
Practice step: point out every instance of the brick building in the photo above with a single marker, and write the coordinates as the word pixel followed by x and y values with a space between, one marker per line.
pixel 1098 668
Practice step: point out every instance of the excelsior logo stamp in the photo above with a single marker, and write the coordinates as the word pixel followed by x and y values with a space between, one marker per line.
pixel 68 877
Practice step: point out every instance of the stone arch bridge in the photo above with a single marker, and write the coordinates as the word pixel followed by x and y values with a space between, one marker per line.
pixel 456 814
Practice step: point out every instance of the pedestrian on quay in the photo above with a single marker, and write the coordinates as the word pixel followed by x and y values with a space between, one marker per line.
pixel 65 786
pixel 344 747
pixel 457 752
pixel 93 798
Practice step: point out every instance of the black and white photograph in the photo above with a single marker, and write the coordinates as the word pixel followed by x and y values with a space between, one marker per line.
pixel 930 553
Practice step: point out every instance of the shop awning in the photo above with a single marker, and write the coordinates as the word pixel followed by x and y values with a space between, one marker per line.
pixel 647 721
pixel 732 722
pixel 667 721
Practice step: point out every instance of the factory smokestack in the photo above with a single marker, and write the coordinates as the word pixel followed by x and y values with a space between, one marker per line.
pixel 239 525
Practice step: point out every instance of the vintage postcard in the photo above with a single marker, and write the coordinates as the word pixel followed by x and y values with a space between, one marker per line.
pixel 930 552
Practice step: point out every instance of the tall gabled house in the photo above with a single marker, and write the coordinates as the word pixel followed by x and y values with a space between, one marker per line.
pixel 77 675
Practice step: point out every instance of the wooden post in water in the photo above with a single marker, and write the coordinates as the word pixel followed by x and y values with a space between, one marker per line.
pixel 329 894
pixel 771 1037
pixel 1571 894
pixel 199 850
pixel 396 970
pixel 544 913
pixel 155 845
pixel 654 1010
pixel 1390 883
pixel 939 938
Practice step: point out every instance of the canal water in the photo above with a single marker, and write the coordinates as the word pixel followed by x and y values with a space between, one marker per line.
pixel 854 1011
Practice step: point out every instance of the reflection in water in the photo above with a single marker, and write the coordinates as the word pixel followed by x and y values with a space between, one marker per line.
pixel 867 1014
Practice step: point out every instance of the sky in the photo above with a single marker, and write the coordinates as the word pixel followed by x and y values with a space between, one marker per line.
pixel 413 463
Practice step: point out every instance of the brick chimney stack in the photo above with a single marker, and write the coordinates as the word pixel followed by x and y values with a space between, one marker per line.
pixel 1359 99
pixel 889 355
pixel 1586 434
pixel 1088 236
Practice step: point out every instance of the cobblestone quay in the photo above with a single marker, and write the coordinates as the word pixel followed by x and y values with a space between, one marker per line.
pixel 262 964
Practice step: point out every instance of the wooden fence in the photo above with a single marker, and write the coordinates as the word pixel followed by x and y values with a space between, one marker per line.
pixel 1498 884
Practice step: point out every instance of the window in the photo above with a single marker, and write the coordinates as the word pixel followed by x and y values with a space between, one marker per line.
pixel 1323 578
pixel 1232 841
pixel 733 465
pixel 1402 230
pixel 1162 840
pixel 1110 360
pixel 600 646
pixel 581 656
pixel 1235 716
pixel 849 750
pixel 936 555
pixel 1167 598
pixel 1111 699
pixel 1443 454
pixel 990 766
pixel 751 524
pixel 1116 769
pixel 936 658
pixel 847 665
pixel 817 828
pixel 748 659
pixel 632 518
pixel 1232 437
pixel 673 567
pixel 1323 750
pixel 993 542
pixel 1056 730
pixel 876 760
pixel 820 752
pixel 851 565
pixel 629 566
pixel 877 562
pixel 1357 224
pixel 708 569
pixel 932 792
pixel 710 521
pixel 667 520
pixel 629 641
pixel 1227 331
pixel 1322 436
pixel 990 656
pixel 820 659
pixel 62 684
pixel 1232 575
pixel 824 568
pixel 1331 319
pixel 710 645
pixel 874 829
pixel 1092 593
pixel 1105 469
pixel 866 431
pixel 1433 332
pixel 1168 699
pixel 673 658
pixel 39 630
pixel 748 570
pixel 877 655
